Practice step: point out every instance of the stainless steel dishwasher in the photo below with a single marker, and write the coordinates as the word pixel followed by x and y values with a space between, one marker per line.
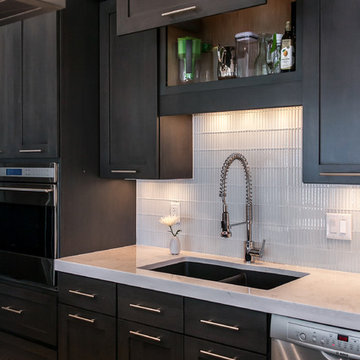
pixel 293 339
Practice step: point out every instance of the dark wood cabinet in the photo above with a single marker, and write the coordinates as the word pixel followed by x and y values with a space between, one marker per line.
pixel 138 342
pixel 134 142
pixel 14 348
pixel 197 349
pixel 236 327
pixel 29 88
pixel 136 15
pixel 10 87
pixel 29 312
pixel 331 83
pixel 40 87
pixel 86 335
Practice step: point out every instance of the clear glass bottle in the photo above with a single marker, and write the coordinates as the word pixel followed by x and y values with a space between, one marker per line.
pixel 261 66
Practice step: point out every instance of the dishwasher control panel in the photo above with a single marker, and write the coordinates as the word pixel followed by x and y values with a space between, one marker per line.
pixel 341 342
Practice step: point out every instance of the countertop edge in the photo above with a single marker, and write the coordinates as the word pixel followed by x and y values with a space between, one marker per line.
pixel 248 301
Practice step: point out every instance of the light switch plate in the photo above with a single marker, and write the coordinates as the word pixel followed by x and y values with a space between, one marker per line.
pixel 339 226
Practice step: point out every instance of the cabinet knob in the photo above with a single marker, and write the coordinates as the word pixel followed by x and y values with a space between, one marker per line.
pixel 179 11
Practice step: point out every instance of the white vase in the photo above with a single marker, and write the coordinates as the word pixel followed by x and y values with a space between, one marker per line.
pixel 174 246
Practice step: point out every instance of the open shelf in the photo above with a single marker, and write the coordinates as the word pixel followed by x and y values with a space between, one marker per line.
pixel 271 90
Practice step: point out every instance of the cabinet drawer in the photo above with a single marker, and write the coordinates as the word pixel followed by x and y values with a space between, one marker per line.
pixel 201 349
pixel 150 307
pixel 138 341
pixel 86 335
pixel 14 348
pixel 227 325
pixel 91 294
pixel 34 318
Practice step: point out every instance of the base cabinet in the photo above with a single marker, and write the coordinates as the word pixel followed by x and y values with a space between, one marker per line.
pixel 197 349
pixel 138 342
pixel 14 348
pixel 86 335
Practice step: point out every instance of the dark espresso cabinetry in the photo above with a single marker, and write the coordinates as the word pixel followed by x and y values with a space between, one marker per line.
pixel 154 325
pixel 87 323
pixel 134 141
pixel 28 322
pixel 136 15
pixel 29 88
pixel 331 88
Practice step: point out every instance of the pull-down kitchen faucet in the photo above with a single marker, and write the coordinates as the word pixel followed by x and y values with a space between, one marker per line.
pixel 250 250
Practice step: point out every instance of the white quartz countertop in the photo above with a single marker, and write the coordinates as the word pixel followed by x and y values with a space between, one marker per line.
pixel 324 296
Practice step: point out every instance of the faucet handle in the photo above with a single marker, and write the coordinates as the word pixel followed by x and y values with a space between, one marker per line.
pixel 261 252
pixel 258 252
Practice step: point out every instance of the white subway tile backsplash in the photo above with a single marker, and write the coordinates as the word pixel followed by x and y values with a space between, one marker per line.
pixel 290 215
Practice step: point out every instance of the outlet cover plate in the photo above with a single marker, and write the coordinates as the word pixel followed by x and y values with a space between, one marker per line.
pixel 175 209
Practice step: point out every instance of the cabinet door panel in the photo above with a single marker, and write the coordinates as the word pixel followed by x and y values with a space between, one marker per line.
pixel 136 15
pixel 40 87
pixel 86 335
pixel 330 87
pixel 10 87
pixel 339 82
pixel 14 348
pixel 129 124
pixel 139 342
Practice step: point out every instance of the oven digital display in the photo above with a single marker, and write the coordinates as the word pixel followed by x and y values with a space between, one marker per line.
pixel 13 172
pixel 343 338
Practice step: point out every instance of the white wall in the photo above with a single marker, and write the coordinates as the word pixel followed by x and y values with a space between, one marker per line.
pixel 287 213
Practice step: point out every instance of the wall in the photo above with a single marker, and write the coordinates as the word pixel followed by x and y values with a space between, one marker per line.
pixel 290 215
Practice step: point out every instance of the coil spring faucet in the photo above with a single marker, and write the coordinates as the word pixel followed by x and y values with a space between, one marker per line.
pixel 250 250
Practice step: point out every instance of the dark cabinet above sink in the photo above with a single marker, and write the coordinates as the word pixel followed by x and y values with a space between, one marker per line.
pixel 137 15
pixel 242 275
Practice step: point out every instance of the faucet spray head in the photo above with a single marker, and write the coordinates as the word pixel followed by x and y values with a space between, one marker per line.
pixel 225 223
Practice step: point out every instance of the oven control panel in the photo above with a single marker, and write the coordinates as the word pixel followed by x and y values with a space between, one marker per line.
pixel 342 342
pixel 18 172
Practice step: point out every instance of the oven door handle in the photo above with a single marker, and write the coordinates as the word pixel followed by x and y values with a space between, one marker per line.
pixel 38 190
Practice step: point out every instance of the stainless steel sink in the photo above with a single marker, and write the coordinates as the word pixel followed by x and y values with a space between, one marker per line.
pixel 237 274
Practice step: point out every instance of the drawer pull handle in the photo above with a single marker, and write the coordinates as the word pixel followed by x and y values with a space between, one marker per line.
pixel 77 317
pixel 217 356
pixel 138 333
pixel 339 174
pixel 212 323
pixel 179 11
pixel 77 292
pixel 123 171
pixel 30 151
pixel 145 308
pixel 8 308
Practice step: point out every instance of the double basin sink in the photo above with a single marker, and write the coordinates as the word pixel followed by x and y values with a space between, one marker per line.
pixel 236 274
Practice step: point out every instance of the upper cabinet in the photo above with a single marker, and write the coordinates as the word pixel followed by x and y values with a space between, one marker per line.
pixel 136 15
pixel 29 88
pixel 134 141
pixel 331 91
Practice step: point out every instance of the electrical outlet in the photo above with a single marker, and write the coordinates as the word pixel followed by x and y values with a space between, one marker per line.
pixel 175 209
pixel 339 226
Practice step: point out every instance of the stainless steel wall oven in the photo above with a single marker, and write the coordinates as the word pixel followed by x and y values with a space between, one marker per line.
pixel 28 222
